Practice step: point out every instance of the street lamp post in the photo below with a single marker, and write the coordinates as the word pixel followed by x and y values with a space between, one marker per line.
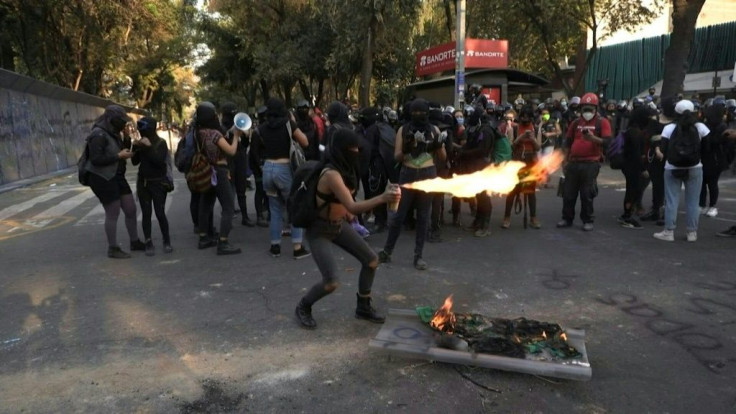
pixel 460 55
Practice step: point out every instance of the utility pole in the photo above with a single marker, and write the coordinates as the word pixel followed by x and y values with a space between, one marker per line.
pixel 460 55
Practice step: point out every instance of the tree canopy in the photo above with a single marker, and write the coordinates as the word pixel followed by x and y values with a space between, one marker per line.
pixel 146 53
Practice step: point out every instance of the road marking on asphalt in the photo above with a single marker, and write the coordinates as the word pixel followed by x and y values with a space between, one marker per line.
pixel 21 207
pixel 45 217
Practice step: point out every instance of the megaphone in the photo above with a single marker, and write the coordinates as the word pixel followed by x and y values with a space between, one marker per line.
pixel 242 121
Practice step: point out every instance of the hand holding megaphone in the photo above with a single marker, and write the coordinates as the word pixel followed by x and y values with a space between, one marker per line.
pixel 242 121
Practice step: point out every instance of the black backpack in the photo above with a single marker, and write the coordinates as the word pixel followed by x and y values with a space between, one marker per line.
pixel 302 203
pixel 683 148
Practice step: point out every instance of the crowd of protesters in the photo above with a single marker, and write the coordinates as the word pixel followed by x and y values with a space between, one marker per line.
pixel 420 140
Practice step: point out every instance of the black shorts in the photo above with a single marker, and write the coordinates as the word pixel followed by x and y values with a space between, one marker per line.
pixel 109 191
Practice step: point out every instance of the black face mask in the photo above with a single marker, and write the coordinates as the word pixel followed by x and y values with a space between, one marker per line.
pixel 118 124
pixel 419 118
pixel 302 113
pixel 353 158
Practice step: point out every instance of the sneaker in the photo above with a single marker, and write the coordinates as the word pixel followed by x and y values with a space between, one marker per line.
pixel 703 210
pixel 168 248
pixel 631 224
pixel 275 250
pixel 692 236
pixel 506 223
pixel 371 219
pixel 261 222
pixel 304 316
pixel 730 232
pixel 563 224
pixel 225 248
pixel 588 227
pixel 535 224
pixel 137 245
pixel 622 219
pixel 666 235
pixel 712 212
pixel 205 242
pixel 247 222
pixel 420 264
pixel 301 253
pixel 482 233
pixel 115 252
pixel 384 257
pixel 434 237
pixel 652 215
pixel 150 250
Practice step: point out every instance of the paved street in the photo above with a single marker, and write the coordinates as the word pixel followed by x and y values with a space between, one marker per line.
pixel 193 332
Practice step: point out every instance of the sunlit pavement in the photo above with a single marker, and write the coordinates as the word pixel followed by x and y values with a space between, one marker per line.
pixel 195 332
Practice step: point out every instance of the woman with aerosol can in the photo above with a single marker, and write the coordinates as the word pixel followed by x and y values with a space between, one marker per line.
pixel 336 206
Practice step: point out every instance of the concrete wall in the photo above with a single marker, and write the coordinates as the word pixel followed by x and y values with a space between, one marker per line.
pixel 42 126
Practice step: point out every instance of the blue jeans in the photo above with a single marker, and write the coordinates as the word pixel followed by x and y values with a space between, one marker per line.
pixel 276 184
pixel 672 186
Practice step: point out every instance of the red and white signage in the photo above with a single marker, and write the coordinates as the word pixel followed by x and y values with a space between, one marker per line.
pixel 479 53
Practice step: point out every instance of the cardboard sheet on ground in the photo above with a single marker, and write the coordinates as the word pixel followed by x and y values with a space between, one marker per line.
pixel 405 334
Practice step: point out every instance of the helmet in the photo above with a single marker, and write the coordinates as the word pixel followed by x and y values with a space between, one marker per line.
pixel 731 104
pixel 468 110
pixel 621 105
pixel 575 100
pixel 475 88
pixel 637 102
pixel 302 103
pixel 449 109
pixel 392 116
pixel 541 106
pixel 708 102
pixel 519 102
pixel 589 99
pixel 719 101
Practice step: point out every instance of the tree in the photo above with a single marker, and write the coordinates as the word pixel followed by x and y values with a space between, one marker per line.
pixel 684 17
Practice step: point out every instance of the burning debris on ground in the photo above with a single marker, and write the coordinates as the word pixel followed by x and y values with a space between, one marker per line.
pixel 515 338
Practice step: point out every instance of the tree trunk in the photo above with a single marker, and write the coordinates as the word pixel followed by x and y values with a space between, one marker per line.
pixel 449 19
pixel 320 91
pixel 684 16
pixel 366 68
pixel 265 90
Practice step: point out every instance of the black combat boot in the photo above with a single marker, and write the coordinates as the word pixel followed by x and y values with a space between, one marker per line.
pixel 366 311
pixel 304 315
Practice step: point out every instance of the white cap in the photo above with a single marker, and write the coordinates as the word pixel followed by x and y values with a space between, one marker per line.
pixel 684 105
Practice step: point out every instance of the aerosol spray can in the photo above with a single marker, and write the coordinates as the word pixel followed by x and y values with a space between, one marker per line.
pixel 393 206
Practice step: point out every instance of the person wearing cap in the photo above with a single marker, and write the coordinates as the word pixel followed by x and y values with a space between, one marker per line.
pixel 109 145
pixel 583 154
pixel 676 176
pixel 153 182
pixel 416 143
pixel 263 214
pixel 238 163
pixel 216 148
pixel 277 133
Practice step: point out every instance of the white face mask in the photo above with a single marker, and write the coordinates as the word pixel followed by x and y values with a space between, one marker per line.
pixel 588 115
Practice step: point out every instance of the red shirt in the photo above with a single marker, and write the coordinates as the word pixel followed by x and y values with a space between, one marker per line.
pixel 582 149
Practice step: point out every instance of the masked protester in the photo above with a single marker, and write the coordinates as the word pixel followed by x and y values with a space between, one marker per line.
pixel 108 152
pixel 525 145
pixel 715 159
pixel 583 156
pixel 263 215
pixel 217 149
pixel 238 163
pixel 443 121
pixel 416 143
pixel 335 201
pixel 153 184
pixel 277 175
pixel 305 122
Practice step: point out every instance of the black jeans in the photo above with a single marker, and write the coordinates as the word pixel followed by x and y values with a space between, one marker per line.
pixel 223 192
pixel 153 192
pixel 656 175
pixel 634 188
pixel 411 198
pixel 710 185
pixel 580 179
pixel 321 235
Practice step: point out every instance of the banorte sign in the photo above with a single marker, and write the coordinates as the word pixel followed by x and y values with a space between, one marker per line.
pixel 479 53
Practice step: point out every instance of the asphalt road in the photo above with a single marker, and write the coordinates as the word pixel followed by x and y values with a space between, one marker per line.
pixel 193 332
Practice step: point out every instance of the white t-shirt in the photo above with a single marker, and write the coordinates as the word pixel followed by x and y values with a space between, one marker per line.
pixel 667 133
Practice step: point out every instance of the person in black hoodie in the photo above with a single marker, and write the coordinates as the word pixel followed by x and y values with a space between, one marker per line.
pixel 238 163
pixel 714 159
pixel 152 185
pixel 108 153
pixel 306 124
pixel 635 163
